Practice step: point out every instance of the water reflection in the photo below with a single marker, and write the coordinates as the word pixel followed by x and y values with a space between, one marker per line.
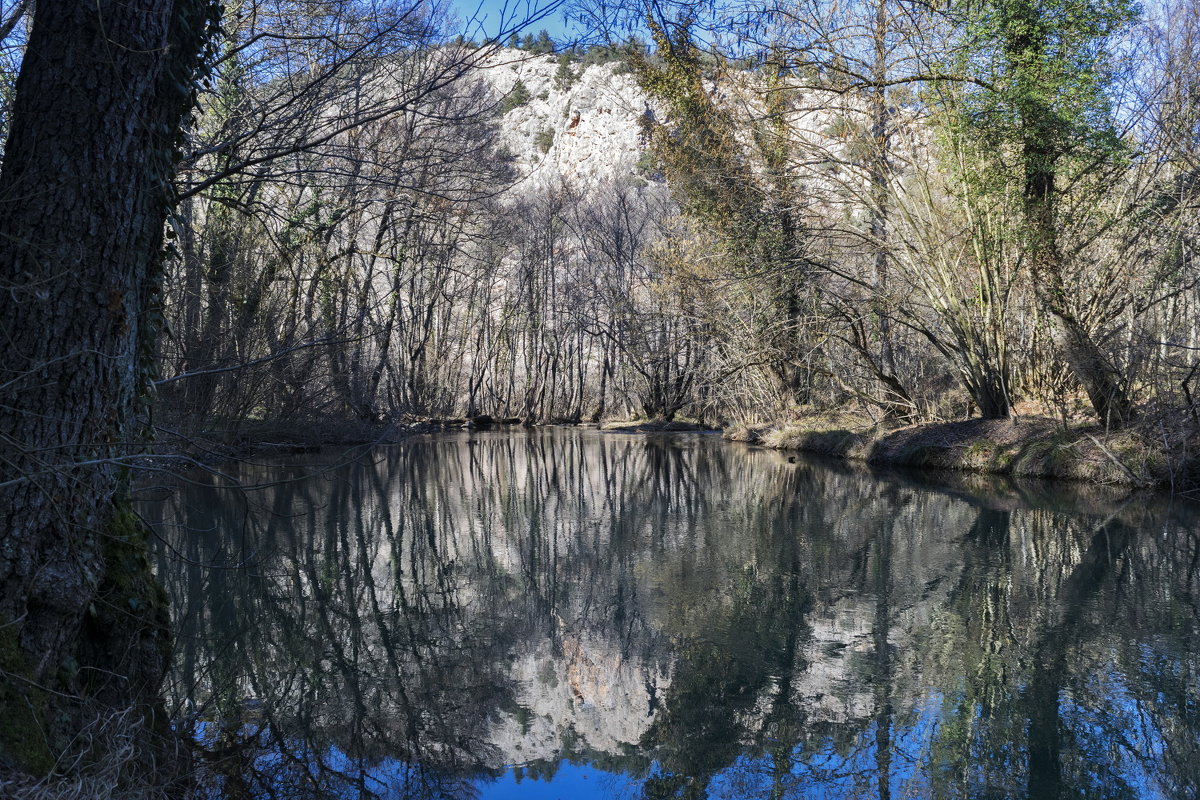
pixel 588 614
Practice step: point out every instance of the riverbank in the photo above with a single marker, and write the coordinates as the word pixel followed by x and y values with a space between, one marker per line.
pixel 1024 447
pixel 250 439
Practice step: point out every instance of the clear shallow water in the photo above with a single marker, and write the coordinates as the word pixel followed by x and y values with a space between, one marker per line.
pixel 568 614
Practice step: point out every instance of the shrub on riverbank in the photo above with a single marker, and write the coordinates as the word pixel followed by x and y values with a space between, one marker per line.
pixel 1021 447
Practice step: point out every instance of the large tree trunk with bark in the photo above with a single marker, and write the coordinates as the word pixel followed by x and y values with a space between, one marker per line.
pixel 84 192
pixel 1085 358
pixel 1028 47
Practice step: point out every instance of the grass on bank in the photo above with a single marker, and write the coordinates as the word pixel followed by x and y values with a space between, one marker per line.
pixel 1031 447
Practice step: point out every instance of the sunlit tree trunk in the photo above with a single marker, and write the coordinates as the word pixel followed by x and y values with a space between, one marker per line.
pixel 1044 135
pixel 1089 365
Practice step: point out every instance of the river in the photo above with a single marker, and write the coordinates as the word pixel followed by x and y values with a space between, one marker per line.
pixel 558 613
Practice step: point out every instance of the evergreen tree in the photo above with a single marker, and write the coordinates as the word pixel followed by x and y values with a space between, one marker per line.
pixel 1041 116
pixel 708 167
pixel 518 97
pixel 543 44
pixel 565 77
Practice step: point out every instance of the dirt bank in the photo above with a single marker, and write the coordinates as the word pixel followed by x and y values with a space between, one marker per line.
pixel 1022 447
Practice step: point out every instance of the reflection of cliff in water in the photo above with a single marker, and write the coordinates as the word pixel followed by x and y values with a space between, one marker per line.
pixel 710 620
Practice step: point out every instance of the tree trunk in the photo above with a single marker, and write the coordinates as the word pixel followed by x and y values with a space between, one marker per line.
pixel 1089 365
pixel 1028 50
pixel 84 193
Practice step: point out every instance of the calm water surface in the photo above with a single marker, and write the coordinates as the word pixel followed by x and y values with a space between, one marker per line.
pixel 568 614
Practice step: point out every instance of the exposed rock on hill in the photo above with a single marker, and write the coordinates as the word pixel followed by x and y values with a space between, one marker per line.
pixel 581 125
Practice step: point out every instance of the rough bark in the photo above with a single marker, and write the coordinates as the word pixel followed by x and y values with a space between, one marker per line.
pixel 1087 362
pixel 1042 134
pixel 84 192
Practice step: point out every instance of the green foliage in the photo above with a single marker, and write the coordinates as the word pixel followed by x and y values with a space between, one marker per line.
pixel 739 188
pixel 706 163
pixel 541 44
pixel 1040 115
pixel 518 97
pixel 1042 69
pixel 624 54
pixel 544 140
pixel 699 152
pixel 565 77
pixel 647 164
pixel 129 579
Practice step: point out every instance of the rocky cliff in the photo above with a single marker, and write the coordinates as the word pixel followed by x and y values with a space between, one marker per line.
pixel 568 123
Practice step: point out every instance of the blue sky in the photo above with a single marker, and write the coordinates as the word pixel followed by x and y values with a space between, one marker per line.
pixel 485 17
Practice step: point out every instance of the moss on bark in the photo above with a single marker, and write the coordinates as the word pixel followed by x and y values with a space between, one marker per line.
pixel 23 739
pixel 115 671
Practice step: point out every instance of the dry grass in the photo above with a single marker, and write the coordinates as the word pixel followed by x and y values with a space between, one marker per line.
pixel 832 433
pixel 105 761
pixel 1033 448
pixel 652 426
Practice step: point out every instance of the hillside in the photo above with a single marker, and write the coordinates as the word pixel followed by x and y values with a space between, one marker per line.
pixel 584 129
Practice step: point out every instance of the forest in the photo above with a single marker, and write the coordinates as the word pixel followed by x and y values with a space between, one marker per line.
pixel 235 222
pixel 923 214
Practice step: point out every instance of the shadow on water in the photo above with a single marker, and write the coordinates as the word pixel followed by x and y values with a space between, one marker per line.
pixel 575 614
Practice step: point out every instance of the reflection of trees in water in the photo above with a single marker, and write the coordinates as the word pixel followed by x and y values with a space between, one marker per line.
pixel 322 628
pixel 1038 667
pixel 383 604
pixel 764 628
pixel 1041 662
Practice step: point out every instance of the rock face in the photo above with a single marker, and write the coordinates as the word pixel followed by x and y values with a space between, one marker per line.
pixel 581 126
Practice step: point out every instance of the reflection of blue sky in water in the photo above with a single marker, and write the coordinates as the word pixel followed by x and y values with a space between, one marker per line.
pixel 827 771
pixel 570 781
